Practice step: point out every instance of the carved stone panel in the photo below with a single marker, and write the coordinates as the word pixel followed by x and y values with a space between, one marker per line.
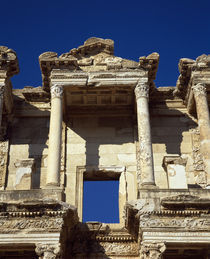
pixel 4 145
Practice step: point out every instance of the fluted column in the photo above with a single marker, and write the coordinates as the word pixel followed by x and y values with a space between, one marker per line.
pixel 202 108
pixel 144 135
pixel 54 150
pixel 1 101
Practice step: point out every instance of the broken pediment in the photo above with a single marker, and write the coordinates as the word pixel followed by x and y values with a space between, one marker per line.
pixel 94 55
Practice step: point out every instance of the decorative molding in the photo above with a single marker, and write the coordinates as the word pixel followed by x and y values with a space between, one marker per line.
pixel 56 91
pixel 141 90
pixel 152 250
pixel 199 89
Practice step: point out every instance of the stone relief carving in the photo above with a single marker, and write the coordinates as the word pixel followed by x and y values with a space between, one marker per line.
pixel 141 90
pixel 48 251
pixel 4 145
pixel 120 248
pixel 188 223
pixel 152 250
pixel 198 164
pixel 39 224
pixel 56 91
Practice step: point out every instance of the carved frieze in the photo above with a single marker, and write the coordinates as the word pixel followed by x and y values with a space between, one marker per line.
pixel 36 224
pixel 4 146
pixel 186 223
pixel 120 249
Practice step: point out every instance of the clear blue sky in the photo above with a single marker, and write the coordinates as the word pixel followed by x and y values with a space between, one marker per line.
pixel 174 29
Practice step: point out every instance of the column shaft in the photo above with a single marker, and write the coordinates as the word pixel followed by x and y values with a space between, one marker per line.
pixel 1 102
pixel 202 109
pixel 54 150
pixel 144 135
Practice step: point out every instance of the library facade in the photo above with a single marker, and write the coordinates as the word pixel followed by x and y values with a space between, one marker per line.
pixel 98 117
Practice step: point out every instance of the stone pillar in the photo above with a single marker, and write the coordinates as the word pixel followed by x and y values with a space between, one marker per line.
pixel 1 102
pixel 144 135
pixel 152 250
pixel 48 251
pixel 54 150
pixel 202 109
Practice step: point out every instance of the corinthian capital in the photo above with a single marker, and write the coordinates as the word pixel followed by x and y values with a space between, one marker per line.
pixel 152 250
pixel 199 89
pixel 56 91
pixel 142 90
pixel 45 251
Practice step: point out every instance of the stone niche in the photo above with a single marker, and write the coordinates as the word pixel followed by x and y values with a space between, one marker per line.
pixel 25 169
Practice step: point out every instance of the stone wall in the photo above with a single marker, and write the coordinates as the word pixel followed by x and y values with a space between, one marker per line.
pixel 28 139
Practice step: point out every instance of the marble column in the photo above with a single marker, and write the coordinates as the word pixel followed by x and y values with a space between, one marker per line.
pixel 144 135
pixel 48 251
pixel 202 109
pixel 152 250
pixel 1 102
pixel 54 149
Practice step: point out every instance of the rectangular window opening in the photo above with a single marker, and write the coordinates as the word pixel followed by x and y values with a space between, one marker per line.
pixel 101 201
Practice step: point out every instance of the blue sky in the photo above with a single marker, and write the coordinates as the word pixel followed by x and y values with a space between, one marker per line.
pixel 174 29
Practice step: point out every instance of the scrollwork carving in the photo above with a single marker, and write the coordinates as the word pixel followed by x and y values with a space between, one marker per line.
pixel 152 250
pixel 142 90
pixel 56 91
pixel 199 89
pixel 44 224
pixel 186 223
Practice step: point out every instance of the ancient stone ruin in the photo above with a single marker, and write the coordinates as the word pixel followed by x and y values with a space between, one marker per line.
pixel 101 117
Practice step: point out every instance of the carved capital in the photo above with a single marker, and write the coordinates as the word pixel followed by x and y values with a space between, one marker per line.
pixel 142 90
pixel 56 91
pixel 48 251
pixel 199 89
pixel 152 250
